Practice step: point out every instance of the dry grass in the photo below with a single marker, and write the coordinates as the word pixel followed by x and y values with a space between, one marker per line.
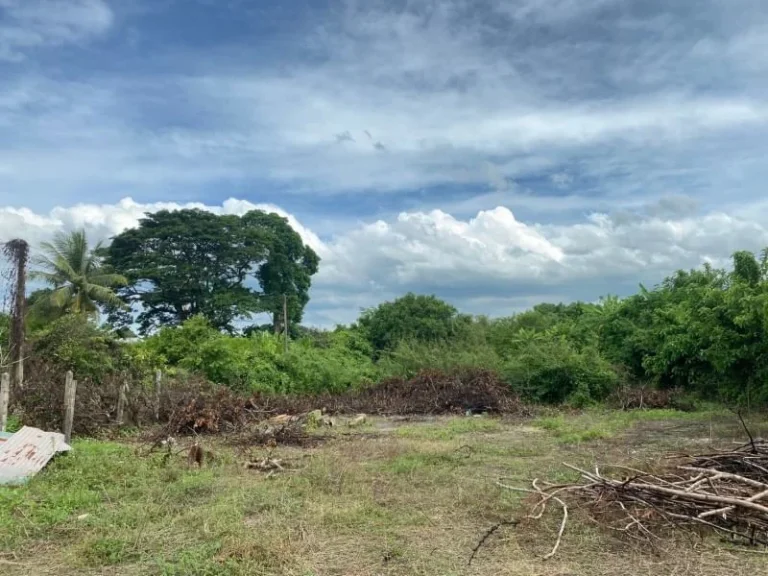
pixel 399 499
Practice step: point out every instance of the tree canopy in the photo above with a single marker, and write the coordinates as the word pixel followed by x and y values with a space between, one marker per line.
pixel 411 317
pixel 185 263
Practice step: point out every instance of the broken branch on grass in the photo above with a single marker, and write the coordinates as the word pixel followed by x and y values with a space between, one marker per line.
pixel 562 529
pixel 488 534
pixel 749 434
pixel 723 492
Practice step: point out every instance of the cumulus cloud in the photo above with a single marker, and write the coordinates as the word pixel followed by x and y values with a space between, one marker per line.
pixel 29 24
pixel 103 221
pixel 491 263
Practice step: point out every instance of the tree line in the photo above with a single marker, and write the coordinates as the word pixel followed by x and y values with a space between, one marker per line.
pixel 189 281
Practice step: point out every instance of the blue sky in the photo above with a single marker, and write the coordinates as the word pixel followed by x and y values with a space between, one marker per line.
pixel 497 153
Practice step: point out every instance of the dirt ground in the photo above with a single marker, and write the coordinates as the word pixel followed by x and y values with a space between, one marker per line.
pixel 393 497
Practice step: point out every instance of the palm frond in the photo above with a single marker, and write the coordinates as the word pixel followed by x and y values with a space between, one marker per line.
pixel 103 295
pixel 94 260
pixel 54 262
pixel 106 279
pixel 61 297
pixel 47 277
pixel 82 283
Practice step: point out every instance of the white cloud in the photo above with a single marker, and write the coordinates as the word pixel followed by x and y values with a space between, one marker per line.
pixel 102 221
pixel 29 24
pixel 491 263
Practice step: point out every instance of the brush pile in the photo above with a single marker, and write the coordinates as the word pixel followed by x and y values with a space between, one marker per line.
pixel 645 397
pixel 724 492
pixel 429 392
pixel 435 392
pixel 206 408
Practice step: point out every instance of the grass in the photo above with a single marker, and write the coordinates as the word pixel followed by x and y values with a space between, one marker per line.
pixel 413 500
pixel 449 429
pixel 598 424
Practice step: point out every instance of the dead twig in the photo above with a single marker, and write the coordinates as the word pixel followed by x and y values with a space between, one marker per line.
pixel 488 534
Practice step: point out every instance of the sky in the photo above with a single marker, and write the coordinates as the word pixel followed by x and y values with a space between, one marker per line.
pixel 496 153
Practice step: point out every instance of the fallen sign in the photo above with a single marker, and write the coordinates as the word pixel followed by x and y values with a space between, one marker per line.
pixel 27 452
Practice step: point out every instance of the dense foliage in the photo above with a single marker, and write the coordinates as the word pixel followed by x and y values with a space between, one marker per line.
pixel 194 276
pixel 185 263
pixel 259 363
pixel 412 317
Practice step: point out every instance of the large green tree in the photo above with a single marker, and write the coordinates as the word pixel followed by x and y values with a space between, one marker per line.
pixel 223 267
pixel 413 317
pixel 79 281
pixel 288 270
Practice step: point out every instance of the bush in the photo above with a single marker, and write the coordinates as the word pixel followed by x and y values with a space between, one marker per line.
pixel 242 364
pixel 413 317
pixel 177 345
pixel 410 357
pixel 333 369
pixel 258 363
pixel 553 372
pixel 75 343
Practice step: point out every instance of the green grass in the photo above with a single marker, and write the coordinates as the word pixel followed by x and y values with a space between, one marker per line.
pixel 448 429
pixel 599 424
pixel 411 501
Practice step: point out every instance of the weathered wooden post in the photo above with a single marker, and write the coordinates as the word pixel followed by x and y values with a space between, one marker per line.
pixel 285 322
pixel 5 393
pixel 158 384
pixel 121 400
pixel 70 388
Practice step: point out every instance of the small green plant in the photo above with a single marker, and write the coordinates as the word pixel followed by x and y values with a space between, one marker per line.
pixel 103 551
pixel 13 424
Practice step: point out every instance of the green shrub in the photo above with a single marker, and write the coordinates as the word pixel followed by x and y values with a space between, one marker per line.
pixel 174 345
pixel 75 343
pixel 410 357
pixel 554 372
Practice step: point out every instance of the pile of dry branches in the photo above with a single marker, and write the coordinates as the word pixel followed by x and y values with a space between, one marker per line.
pixel 644 397
pixel 433 392
pixel 725 492
pixel 200 408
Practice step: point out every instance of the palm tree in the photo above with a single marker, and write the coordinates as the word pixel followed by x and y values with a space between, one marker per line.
pixel 80 283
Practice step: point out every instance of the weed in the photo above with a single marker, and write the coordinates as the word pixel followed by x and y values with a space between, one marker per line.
pixel 104 551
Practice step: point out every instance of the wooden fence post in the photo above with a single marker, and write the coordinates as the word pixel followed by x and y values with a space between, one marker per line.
pixel 5 392
pixel 121 399
pixel 70 388
pixel 285 322
pixel 158 384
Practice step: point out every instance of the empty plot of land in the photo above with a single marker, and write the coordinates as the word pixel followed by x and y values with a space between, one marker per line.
pixel 395 497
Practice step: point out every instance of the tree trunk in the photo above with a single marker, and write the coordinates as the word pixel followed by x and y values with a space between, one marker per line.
pixel 18 252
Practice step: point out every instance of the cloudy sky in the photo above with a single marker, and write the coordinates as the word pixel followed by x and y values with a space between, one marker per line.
pixel 497 153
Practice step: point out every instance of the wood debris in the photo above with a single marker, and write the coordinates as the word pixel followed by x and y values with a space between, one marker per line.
pixel 724 492
pixel 266 464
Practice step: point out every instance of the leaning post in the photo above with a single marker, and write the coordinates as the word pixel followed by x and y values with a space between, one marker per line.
pixel 5 393
pixel 70 388
pixel 158 386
